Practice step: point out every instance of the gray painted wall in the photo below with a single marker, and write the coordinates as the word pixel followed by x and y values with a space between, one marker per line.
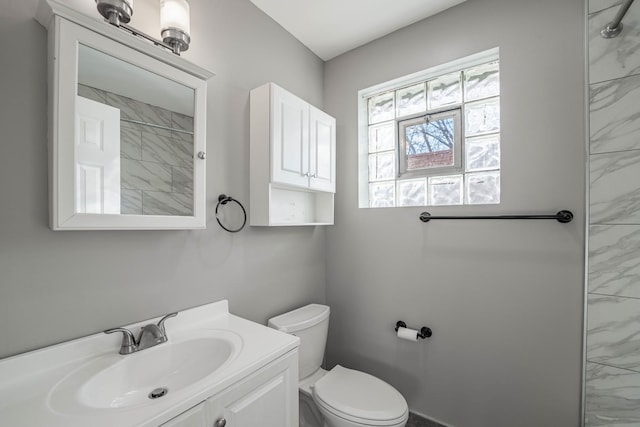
pixel 55 286
pixel 504 299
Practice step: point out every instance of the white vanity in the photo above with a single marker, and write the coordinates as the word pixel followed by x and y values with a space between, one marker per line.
pixel 217 370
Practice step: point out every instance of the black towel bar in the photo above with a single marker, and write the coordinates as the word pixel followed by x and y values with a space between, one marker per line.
pixel 562 216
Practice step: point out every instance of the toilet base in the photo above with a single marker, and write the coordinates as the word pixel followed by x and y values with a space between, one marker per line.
pixel 310 416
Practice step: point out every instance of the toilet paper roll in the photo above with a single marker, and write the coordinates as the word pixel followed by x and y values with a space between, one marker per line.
pixel 407 334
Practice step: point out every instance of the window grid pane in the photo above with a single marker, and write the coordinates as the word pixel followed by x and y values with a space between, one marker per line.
pixel 411 100
pixel 382 166
pixel 483 187
pixel 445 90
pixel 381 108
pixel 382 194
pixel 445 190
pixel 482 117
pixel 412 192
pixel 381 137
pixel 482 81
pixel 483 153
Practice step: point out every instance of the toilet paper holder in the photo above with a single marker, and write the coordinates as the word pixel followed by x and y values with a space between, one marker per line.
pixel 424 331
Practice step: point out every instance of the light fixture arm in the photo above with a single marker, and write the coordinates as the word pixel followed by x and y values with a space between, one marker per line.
pixel 118 13
pixel 147 37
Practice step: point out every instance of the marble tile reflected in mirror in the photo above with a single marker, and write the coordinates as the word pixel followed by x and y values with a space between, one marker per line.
pixel 156 133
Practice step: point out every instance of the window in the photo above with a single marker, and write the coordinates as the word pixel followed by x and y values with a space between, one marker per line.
pixel 429 143
pixel 433 138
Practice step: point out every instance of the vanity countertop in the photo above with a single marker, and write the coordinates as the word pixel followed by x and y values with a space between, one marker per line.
pixel 37 388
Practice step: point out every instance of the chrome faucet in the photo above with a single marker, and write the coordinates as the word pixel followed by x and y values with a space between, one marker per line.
pixel 150 335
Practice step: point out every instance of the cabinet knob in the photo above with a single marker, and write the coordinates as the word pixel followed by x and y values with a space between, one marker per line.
pixel 202 155
pixel 221 422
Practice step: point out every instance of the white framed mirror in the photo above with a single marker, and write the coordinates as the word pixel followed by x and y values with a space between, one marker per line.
pixel 127 133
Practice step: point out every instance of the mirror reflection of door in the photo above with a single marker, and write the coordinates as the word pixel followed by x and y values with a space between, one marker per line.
pixel 97 157
pixel 155 128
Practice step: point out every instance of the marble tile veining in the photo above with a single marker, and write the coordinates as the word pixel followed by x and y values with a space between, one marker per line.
pixel 181 121
pixel 614 188
pixel 136 110
pixel 164 203
pixel 616 57
pixel 612 397
pixel 182 180
pixel 130 143
pixel 161 149
pixel 614 260
pixel 182 136
pixel 149 176
pixel 131 202
pixel 613 331
pixel 615 115
pixel 92 93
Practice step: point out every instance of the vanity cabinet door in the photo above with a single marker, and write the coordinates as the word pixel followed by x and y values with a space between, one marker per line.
pixel 194 417
pixel 268 398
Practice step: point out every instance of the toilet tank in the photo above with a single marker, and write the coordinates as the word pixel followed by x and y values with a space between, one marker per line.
pixel 311 324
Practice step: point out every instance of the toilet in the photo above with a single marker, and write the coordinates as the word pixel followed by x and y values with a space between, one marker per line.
pixel 340 397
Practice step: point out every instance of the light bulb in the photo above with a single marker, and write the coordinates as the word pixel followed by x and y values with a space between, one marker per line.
pixel 174 14
pixel 174 24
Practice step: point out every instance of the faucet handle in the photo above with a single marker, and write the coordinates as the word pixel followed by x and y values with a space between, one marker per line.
pixel 128 340
pixel 161 322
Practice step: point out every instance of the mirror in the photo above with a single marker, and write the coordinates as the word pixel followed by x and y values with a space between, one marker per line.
pixel 127 132
pixel 134 144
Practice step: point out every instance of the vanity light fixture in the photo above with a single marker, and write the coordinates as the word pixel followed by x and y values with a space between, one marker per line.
pixel 116 11
pixel 174 20
pixel 174 24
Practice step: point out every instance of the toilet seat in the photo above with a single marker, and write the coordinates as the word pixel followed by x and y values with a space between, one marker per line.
pixel 360 398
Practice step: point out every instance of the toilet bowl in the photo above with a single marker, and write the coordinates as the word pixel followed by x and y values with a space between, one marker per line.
pixel 340 397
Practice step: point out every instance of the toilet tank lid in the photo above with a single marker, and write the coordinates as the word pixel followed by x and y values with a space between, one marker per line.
pixel 301 318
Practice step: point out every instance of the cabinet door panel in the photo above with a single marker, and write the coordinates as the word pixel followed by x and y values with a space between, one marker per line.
pixel 265 406
pixel 268 399
pixel 290 139
pixel 323 151
pixel 194 417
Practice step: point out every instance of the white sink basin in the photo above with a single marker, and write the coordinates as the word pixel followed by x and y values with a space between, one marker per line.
pixel 113 381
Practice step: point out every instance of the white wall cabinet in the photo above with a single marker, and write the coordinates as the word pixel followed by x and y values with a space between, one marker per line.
pixel 293 162
pixel 100 177
pixel 266 398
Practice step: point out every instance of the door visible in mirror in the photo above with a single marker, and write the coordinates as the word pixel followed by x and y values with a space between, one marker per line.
pixel 134 139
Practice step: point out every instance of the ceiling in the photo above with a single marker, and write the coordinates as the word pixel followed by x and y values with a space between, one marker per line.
pixel 332 27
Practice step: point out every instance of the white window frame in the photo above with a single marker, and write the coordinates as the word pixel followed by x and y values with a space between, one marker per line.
pixel 403 122
pixel 395 84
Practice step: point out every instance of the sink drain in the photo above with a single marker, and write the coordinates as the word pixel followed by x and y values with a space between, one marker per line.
pixel 158 392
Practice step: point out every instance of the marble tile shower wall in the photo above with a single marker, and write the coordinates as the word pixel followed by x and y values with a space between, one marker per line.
pixel 156 164
pixel 613 312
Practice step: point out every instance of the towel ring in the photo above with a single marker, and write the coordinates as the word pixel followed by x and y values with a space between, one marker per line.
pixel 223 199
